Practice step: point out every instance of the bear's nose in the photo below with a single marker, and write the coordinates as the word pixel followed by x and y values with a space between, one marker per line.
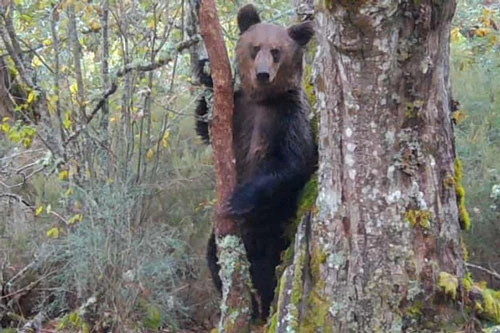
pixel 263 77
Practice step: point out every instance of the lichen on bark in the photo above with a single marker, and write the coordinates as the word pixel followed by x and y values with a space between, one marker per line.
pixel 232 260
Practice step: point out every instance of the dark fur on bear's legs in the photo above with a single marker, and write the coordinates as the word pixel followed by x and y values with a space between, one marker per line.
pixel 263 252
pixel 273 144
pixel 213 266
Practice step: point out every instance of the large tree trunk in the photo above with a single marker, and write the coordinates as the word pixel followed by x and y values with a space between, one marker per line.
pixel 386 232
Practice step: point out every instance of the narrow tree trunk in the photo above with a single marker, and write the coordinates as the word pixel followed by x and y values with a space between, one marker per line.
pixel 386 232
pixel 197 51
pixel 6 104
pixel 104 122
pixel 234 271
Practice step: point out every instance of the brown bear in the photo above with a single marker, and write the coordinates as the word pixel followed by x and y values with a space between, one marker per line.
pixel 273 144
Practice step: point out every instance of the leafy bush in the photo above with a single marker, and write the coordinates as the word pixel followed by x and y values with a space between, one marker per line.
pixel 132 270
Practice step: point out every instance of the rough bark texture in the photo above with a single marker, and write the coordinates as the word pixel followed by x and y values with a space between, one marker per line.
pixel 198 50
pixel 235 276
pixel 6 105
pixel 387 222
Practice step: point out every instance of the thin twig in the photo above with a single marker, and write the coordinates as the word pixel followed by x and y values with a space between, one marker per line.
pixel 486 270
pixel 16 197
pixel 30 206
pixel 127 69
pixel 21 272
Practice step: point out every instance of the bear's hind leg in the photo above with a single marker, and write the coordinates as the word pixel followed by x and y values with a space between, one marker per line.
pixel 212 259
pixel 264 259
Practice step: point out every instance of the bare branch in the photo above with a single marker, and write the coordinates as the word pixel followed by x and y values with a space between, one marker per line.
pixel 17 198
pixel 35 325
pixel 496 275
pixel 129 68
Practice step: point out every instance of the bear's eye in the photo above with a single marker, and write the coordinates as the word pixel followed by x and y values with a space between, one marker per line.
pixel 276 55
pixel 254 51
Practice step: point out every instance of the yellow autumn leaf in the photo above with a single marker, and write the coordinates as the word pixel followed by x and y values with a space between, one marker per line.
pixel 52 103
pixel 39 210
pixel 150 154
pixel 5 127
pixel 79 6
pixel 493 39
pixel 150 22
pixel 456 36
pixel 63 175
pixel 53 233
pixel 165 139
pixel 31 97
pixel 49 209
pixel 73 88
pixel 36 62
pixel 67 123
pixel 488 12
pixel 459 116
pixel 95 25
pixel 47 42
pixel 112 120
pixel 68 192
pixel 27 143
pixel 481 32
pixel 75 218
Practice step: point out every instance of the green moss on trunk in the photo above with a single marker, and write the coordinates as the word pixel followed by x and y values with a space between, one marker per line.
pixel 465 222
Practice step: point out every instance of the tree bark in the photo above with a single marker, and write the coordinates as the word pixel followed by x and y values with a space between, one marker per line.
pixel 196 51
pixel 234 271
pixel 386 232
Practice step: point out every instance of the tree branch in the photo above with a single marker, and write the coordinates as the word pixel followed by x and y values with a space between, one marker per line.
pixel 486 270
pixel 127 69
pixel 17 198
pixel 11 43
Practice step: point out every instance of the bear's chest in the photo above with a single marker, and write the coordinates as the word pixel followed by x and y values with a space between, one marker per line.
pixel 255 132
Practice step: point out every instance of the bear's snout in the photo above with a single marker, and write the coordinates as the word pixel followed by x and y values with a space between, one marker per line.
pixel 263 77
pixel 265 69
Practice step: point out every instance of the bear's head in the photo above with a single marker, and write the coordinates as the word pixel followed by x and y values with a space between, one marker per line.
pixel 269 56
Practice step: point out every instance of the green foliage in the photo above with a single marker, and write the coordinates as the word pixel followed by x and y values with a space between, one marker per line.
pixel 17 132
pixel 492 304
pixel 120 211
pixel 111 258
pixel 73 322
pixel 460 191
pixel 474 71
pixel 152 319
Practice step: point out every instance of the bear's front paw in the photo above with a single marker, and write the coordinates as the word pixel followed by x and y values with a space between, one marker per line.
pixel 242 202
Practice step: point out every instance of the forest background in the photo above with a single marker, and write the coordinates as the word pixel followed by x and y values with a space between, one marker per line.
pixel 106 194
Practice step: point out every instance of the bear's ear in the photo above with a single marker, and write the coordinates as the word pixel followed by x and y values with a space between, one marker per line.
pixel 247 16
pixel 302 32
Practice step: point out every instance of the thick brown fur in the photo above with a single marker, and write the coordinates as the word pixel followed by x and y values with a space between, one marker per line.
pixel 273 143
